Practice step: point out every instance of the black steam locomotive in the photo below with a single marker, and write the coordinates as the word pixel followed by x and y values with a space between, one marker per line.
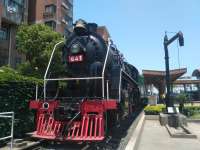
pixel 84 55
pixel 101 88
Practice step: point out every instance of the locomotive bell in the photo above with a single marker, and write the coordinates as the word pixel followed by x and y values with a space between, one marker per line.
pixel 80 27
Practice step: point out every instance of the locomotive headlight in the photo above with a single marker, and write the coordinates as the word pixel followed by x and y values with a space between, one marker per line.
pixel 75 48
pixel 45 105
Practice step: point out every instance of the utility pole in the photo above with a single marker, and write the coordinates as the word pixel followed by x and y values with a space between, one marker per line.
pixel 179 36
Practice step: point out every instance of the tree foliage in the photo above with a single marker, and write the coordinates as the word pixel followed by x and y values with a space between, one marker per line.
pixel 15 92
pixel 36 43
pixel 181 99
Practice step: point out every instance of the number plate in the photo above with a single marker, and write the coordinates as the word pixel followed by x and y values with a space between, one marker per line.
pixel 75 58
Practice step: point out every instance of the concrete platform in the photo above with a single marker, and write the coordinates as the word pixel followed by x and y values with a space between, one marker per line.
pixel 156 137
pixel 27 145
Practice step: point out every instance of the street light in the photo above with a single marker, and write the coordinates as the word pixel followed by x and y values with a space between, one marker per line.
pixel 179 36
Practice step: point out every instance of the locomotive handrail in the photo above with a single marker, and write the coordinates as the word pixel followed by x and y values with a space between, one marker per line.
pixel 45 75
pixel 120 82
pixel 129 76
pixel 67 79
pixel 107 88
pixel 104 66
pixel 108 50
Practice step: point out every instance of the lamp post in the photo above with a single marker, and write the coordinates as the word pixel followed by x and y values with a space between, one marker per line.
pixel 179 36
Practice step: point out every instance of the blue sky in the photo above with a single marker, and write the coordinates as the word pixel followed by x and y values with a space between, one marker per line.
pixel 138 27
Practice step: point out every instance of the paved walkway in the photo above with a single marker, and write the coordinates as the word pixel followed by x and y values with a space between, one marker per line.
pixel 195 128
pixel 156 137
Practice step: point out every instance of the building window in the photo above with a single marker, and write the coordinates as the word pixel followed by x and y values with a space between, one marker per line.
pixel 51 24
pixel 50 8
pixel 18 60
pixel 3 61
pixel 4 34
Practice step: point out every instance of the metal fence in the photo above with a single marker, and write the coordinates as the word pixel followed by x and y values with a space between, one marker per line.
pixel 9 115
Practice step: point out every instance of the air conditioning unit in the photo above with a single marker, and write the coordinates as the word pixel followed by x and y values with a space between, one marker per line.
pixel 64 21
pixel 65 6
pixel 11 9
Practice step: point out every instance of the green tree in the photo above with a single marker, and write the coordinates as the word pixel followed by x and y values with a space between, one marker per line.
pixel 36 43
pixel 181 99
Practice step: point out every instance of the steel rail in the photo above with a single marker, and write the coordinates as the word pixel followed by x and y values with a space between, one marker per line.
pixel 9 115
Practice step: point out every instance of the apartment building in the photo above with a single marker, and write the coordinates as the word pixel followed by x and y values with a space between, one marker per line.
pixel 58 14
pixel 12 13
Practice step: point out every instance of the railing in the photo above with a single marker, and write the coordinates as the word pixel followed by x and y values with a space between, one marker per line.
pixel 104 67
pixel 9 115
pixel 51 57
pixel 68 2
pixel 71 2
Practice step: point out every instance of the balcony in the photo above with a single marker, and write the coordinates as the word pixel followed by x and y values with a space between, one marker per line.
pixel 64 5
pixel 49 15
pixel 68 2
pixel 64 21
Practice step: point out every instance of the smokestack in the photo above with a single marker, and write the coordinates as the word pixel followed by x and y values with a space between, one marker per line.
pixel 80 27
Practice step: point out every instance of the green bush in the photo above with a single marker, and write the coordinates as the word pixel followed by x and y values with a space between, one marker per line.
pixel 15 92
pixel 190 111
pixel 153 110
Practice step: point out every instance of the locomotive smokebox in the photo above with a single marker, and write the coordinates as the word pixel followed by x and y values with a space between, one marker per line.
pixel 80 27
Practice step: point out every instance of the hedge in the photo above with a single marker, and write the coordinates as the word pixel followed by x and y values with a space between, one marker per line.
pixel 154 109
pixel 190 111
pixel 15 92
